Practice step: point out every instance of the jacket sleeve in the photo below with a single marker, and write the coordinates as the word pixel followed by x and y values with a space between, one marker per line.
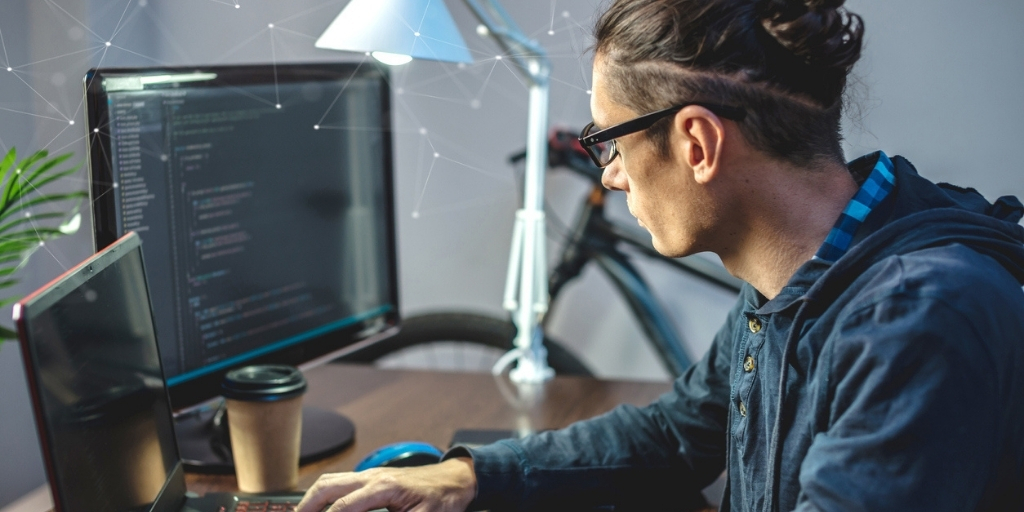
pixel 914 420
pixel 630 457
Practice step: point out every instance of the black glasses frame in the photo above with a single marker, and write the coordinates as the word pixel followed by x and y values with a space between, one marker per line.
pixel 589 140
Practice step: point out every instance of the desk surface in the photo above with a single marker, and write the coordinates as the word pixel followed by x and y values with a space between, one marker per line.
pixel 434 405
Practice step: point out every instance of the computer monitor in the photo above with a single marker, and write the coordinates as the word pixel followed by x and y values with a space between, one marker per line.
pixel 263 197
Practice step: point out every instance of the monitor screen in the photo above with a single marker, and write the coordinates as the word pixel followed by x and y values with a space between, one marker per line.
pixel 101 406
pixel 263 197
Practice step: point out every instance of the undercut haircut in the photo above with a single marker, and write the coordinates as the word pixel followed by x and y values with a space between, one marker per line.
pixel 785 61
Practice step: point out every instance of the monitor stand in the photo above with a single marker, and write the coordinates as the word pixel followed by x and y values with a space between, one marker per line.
pixel 205 444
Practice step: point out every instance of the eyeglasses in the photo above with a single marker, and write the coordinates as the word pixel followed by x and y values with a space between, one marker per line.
pixel 600 145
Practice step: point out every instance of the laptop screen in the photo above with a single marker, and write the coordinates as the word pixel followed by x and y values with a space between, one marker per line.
pixel 101 403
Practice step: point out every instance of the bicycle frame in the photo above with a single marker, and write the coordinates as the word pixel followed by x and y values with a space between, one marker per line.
pixel 595 238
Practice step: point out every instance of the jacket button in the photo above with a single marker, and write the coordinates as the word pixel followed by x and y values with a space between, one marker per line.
pixel 743 409
pixel 748 364
pixel 754 324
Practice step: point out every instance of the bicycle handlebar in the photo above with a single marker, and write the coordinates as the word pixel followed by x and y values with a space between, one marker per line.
pixel 564 150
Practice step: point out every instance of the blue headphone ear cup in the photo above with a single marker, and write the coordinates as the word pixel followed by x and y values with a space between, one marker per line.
pixel 404 454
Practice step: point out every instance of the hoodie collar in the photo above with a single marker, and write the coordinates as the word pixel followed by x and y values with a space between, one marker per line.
pixel 917 214
pixel 921 215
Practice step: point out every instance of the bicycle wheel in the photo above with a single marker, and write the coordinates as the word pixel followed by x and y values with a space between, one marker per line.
pixel 456 341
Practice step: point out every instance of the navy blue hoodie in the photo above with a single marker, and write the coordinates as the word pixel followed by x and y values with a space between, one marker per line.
pixel 892 379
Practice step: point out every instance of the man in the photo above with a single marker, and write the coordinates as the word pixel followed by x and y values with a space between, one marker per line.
pixel 874 361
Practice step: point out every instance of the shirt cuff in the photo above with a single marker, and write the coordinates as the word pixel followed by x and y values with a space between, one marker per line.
pixel 498 471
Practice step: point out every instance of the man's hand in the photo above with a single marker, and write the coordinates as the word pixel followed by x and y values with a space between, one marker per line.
pixel 449 487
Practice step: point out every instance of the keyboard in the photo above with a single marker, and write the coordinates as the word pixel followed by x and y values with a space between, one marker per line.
pixel 263 506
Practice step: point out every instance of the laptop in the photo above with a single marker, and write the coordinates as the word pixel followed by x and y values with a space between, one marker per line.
pixel 98 392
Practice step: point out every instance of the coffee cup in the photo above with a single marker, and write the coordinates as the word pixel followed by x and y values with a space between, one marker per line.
pixel 264 406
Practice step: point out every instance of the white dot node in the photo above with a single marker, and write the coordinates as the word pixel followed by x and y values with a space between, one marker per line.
pixel 415 215
pixel 589 91
pixel 423 131
pixel 17 171
pixel 238 6
pixel 565 14
pixel 498 57
pixel 278 106
pixel 481 30
pixel 437 155
pixel 270 25
pixel 551 32
pixel 417 34
pixel 474 103
pixel 316 127
pixel 95 130
pixel 461 65
pixel 10 68
pixel 367 54
pixel 71 122
pixel 28 214
pixel 106 43
pixel 163 158
pixel 115 185
pixel 41 243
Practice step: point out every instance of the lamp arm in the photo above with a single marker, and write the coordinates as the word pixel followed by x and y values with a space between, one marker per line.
pixel 526 292
pixel 528 55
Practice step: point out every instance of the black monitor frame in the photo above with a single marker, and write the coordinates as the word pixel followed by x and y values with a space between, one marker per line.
pixel 307 353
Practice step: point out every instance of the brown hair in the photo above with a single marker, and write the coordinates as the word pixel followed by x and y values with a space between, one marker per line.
pixel 784 61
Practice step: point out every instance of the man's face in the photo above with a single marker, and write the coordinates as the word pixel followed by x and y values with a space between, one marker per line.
pixel 659 188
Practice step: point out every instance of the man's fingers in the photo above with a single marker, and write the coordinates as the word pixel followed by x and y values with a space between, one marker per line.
pixel 444 486
pixel 363 499
pixel 327 489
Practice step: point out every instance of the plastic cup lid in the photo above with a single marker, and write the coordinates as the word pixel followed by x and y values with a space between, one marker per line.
pixel 263 383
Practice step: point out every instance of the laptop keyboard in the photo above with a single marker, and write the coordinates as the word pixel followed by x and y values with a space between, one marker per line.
pixel 263 506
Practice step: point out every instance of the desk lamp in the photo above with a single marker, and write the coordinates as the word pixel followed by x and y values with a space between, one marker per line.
pixel 396 31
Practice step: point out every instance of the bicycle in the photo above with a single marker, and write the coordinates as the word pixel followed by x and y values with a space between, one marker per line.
pixel 449 339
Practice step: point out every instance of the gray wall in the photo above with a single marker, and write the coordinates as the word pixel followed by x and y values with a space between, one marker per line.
pixel 939 84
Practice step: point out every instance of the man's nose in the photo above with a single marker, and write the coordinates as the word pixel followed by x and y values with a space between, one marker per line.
pixel 613 178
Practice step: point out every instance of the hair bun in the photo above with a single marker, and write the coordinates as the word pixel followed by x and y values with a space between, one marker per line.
pixel 819 32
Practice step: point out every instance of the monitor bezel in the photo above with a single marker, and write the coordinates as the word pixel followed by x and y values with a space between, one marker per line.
pixel 201 389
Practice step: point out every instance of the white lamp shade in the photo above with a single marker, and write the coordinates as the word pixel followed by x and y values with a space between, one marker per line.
pixel 422 29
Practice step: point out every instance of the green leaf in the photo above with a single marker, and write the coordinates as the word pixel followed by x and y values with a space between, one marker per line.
pixel 14 246
pixel 43 200
pixel 13 260
pixel 21 169
pixel 31 180
pixel 5 164
pixel 11 189
pixel 7 334
pixel 33 234
pixel 22 188
pixel 47 165
pixel 7 260
pixel 37 217
pixel 20 183
pixel 28 162
pixel 37 183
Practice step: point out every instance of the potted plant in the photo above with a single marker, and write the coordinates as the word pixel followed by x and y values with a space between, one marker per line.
pixel 29 216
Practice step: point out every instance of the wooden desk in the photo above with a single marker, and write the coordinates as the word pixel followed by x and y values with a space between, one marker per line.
pixel 388 406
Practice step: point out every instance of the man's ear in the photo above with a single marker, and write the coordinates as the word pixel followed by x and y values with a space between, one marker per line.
pixel 701 136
